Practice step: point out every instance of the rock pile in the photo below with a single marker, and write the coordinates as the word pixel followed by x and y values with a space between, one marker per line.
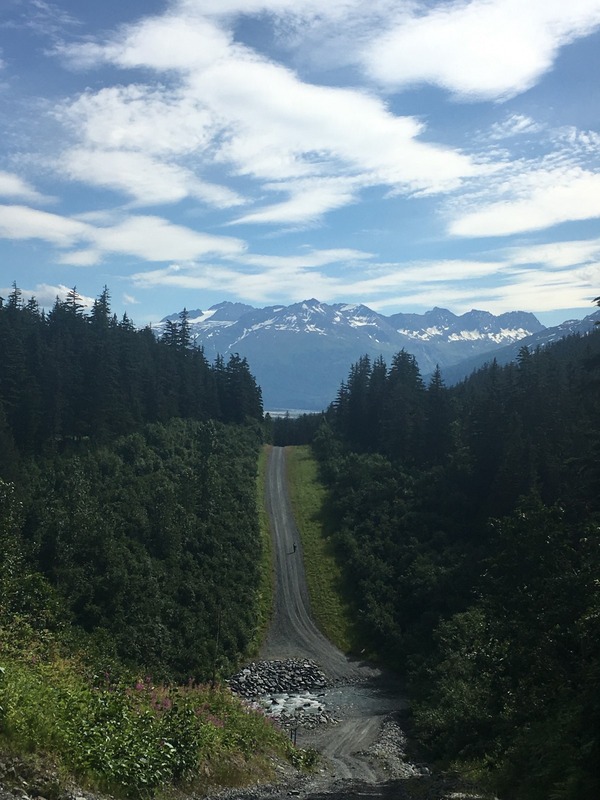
pixel 277 677
pixel 390 748
pixel 289 691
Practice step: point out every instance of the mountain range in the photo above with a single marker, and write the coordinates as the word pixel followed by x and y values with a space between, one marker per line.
pixel 301 353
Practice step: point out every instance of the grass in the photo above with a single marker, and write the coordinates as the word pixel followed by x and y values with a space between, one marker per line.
pixel 133 738
pixel 323 575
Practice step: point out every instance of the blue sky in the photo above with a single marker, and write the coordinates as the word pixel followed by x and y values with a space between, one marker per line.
pixel 395 153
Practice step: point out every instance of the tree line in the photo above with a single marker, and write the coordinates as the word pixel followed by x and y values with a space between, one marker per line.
pixel 66 375
pixel 467 523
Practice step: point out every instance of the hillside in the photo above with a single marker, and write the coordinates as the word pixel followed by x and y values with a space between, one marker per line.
pixel 130 557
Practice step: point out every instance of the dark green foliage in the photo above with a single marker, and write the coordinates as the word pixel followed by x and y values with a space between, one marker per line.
pixel 285 430
pixel 467 521
pixel 152 541
pixel 137 516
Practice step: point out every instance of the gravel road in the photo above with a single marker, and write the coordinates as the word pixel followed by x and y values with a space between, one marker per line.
pixel 293 633
pixel 359 695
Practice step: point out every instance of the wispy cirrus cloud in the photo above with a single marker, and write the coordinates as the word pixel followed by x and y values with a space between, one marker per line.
pixel 551 198
pixel 255 277
pixel 556 254
pixel 13 186
pixel 22 222
pixel 513 125
pixel 541 278
pixel 146 180
pixel 149 238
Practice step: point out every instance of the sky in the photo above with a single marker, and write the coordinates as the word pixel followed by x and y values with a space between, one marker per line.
pixel 399 154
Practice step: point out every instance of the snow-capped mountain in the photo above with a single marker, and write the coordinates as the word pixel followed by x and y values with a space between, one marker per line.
pixel 442 325
pixel 301 353
pixel 504 355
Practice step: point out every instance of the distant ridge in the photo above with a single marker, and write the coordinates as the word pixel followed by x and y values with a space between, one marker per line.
pixel 301 353
pixel 504 355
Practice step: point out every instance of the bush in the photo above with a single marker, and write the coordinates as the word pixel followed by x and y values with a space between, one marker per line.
pixel 128 738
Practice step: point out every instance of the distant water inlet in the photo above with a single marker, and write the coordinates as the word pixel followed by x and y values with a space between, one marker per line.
pixel 292 413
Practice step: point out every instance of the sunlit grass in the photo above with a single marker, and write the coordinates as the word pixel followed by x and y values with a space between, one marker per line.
pixel 323 575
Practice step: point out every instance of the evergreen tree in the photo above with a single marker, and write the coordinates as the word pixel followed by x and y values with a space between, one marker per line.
pixel 438 420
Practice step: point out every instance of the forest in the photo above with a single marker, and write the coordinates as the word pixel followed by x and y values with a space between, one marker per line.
pixel 467 522
pixel 128 468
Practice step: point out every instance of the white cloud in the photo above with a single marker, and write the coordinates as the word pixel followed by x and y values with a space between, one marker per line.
pixel 483 49
pixel 168 42
pixel 551 198
pixel 261 278
pixel 81 258
pixel 226 105
pixel 309 201
pixel 312 258
pixel 147 237
pixel 587 142
pixel 145 179
pixel 297 129
pixel 513 125
pixel 21 222
pixel 155 239
pixel 557 255
pixel 46 294
pixel 154 119
pixel 12 185
pixel 534 290
pixel 540 290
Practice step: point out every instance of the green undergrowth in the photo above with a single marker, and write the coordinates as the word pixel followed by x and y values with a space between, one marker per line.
pixel 323 575
pixel 132 737
pixel 265 590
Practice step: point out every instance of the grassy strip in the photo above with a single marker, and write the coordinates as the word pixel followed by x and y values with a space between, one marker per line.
pixel 323 574
pixel 265 591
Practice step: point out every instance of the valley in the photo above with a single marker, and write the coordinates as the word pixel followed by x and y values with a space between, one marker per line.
pixel 360 738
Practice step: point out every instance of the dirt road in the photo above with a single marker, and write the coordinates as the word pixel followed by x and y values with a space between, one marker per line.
pixel 293 633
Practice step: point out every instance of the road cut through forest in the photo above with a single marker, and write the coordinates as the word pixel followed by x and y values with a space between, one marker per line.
pixel 361 743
